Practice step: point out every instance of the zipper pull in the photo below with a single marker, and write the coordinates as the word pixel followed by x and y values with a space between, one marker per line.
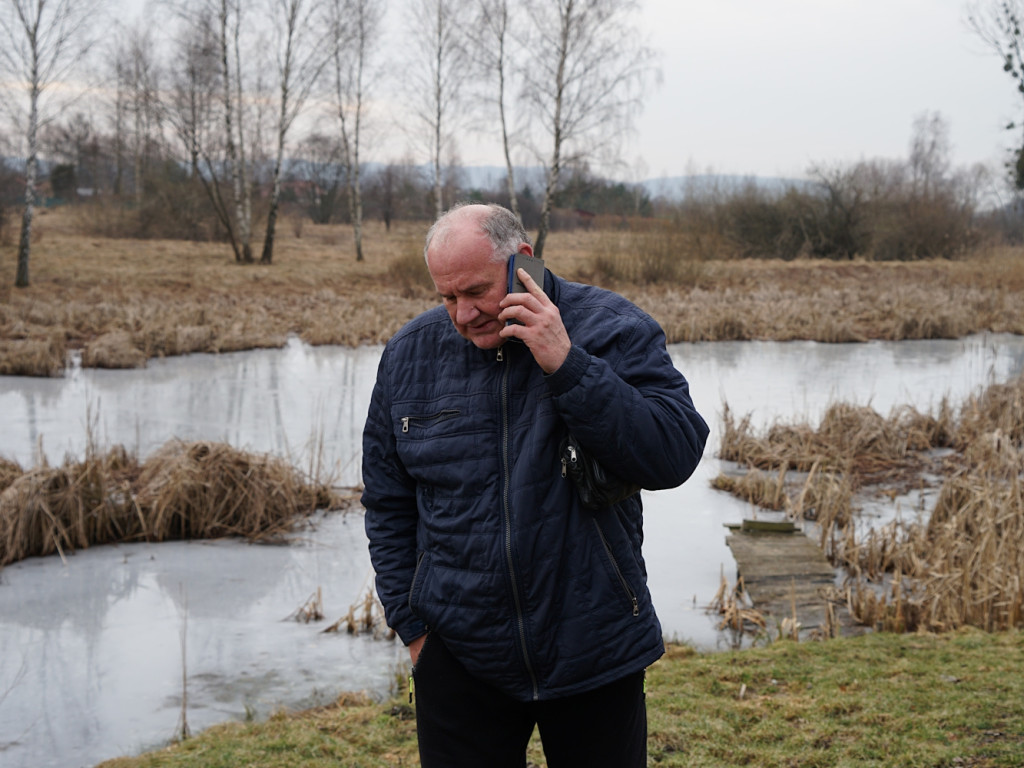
pixel 411 689
pixel 405 423
pixel 565 467
pixel 501 354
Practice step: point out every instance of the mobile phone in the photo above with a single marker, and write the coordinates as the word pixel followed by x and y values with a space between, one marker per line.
pixel 534 267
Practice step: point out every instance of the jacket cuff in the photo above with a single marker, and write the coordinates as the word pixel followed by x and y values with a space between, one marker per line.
pixel 411 631
pixel 570 372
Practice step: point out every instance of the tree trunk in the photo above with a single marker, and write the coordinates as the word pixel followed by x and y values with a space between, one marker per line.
pixel 567 20
pixel 275 192
pixel 243 190
pixel 439 109
pixel 510 178
pixel 268 241
pixel 355 192
pixel 21 279
pixel 229 131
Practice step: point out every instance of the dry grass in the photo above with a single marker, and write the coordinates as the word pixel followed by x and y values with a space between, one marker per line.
pixel 365 616
pixel 738 614
pixel 964 565
pixel 122 302
pixel 184 491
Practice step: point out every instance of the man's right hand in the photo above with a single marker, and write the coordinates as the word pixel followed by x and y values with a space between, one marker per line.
pixel 415 647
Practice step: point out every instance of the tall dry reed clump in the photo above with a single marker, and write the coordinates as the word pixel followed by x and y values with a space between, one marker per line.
pixel 964 564
pixel 184 491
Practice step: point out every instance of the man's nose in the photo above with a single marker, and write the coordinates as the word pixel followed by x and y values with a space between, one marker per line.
pixel 465 311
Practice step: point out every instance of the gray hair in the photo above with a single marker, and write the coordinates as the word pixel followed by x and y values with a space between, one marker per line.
pixel 501 226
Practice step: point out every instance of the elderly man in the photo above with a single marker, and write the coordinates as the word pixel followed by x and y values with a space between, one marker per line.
pixel 521 607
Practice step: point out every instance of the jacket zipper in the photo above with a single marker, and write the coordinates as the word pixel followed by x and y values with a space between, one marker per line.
pixel 435 418
pixel 415 577
pixel 506 508
pixel 618 572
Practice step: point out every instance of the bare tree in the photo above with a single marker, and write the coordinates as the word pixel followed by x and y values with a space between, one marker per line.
pixel 195 77
pixel 299 62
pixel 490 45
pixel 584 79
pixel 322 168
pixel 138 90
pixel 40 42
pixel 998 23
pixel 434 77
pixel 355 31
pixel 210 106
pixel 929 154
pixel 234 107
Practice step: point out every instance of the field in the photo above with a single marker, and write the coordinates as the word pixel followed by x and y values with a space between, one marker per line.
pixel 119 302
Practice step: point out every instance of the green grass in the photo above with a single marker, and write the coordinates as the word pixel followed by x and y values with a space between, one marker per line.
pixel 879 700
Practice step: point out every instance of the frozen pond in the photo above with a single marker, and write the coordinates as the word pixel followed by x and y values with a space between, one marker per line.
pixel 91 650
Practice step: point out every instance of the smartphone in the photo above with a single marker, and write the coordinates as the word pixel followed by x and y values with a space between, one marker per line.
pixel 534 268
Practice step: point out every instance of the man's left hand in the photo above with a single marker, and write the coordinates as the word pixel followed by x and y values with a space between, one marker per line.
pixel 542 329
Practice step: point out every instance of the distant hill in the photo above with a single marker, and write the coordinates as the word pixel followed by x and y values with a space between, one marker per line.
pixel 680 187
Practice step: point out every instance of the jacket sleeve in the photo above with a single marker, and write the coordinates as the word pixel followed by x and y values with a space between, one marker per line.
pixel 389 496
pixel 633 410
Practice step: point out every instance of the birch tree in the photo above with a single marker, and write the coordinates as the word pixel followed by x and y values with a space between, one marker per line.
pixel 436 72
pixel 999 24
pixel 299 63
pixel 195 79
pixel 41 41
pixel 212 88
pixel 355 33
pixel 491 42
pixel 135 72
pixel 230 25
pixel 584 81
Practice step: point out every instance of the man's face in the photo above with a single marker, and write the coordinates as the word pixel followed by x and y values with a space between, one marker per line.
pixel 470 282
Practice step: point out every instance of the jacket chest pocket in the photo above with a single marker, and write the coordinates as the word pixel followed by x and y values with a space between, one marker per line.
pixel 425 421
pixel 441 442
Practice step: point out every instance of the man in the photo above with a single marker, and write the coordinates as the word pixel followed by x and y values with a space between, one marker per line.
pixel 520 606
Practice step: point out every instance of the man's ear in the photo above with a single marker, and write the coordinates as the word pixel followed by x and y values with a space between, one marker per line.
pixel 525 248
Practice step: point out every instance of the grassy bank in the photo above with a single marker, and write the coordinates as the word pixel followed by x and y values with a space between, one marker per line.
pixel 882 700
pixel 120 302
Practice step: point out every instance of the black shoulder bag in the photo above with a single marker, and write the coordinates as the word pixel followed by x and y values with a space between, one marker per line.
pixel 597 488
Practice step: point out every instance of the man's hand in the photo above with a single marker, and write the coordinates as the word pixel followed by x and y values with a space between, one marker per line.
pixel 542 329
pixel 415 647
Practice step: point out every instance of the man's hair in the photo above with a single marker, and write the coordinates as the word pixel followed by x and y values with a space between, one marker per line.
pixel 500 225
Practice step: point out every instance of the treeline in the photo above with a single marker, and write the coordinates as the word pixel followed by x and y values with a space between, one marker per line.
pixel 913 208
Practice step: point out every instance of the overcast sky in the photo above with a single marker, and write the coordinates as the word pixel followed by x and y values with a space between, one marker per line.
pixel 768 87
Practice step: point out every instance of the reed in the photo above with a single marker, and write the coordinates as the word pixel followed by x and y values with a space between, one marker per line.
pixel 185 490
pixel 732 603
pixel 9 472
pixel 762 489
pixel 365 616
pixel 311 610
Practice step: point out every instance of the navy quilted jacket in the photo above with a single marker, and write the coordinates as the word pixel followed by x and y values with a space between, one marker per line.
pixel 474 532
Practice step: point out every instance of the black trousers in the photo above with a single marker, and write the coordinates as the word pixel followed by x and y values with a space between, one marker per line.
pixel 464 723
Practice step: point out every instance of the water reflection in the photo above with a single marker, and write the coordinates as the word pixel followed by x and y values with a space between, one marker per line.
pixel 268 400
pixel 90 651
